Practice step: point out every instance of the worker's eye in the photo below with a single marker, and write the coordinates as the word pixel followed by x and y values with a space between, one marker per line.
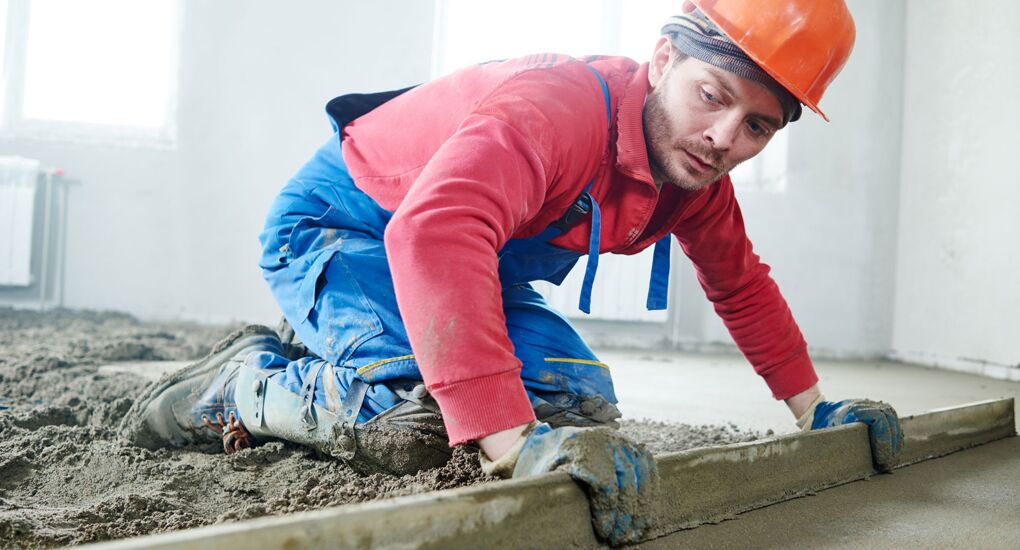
pixel 757 128
pixel 708 96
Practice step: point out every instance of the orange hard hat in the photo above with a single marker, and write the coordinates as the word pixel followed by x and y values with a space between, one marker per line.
pixel 803 44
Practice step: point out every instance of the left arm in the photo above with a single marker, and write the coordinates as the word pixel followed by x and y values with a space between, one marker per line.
pixel 738 284
pixel 754 311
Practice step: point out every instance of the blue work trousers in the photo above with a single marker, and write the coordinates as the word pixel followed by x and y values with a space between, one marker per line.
pixel 325 261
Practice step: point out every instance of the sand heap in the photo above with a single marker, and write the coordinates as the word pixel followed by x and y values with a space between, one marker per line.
pixel 66 478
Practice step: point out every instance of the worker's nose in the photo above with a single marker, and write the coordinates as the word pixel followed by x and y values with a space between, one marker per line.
pixel 723 131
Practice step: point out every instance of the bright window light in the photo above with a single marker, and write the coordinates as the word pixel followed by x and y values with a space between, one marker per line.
pixel 110 62
pixel 473 32
pixel 767 170
pixel 469 31
pixel 640 23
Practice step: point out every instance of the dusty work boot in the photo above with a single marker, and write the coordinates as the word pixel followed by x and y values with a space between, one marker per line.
pixel 404 439
pixel 196 404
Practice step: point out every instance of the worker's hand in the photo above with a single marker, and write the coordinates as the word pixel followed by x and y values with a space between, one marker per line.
pixel 619 475
pixel 884 429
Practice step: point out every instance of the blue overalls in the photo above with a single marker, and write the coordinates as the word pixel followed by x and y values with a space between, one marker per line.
pixel 325 262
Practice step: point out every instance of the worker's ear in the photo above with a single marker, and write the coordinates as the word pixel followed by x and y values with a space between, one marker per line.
pixel 660 61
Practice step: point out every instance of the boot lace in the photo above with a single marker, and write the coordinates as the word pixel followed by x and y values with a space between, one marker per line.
pixel 234 436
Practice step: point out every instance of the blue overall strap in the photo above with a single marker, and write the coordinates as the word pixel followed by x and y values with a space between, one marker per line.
pixel 308 397
pixel 658 285
pixel 605 94
pixel 593 253
pixel 350 408
pixel 596 215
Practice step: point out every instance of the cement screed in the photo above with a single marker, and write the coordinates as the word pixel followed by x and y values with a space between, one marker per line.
pixel 66 478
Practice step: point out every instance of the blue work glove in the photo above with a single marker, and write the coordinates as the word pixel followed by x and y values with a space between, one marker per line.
pixel 884 429
pixel 619 475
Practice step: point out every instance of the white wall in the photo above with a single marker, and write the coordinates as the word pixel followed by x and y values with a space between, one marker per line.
pixel 173 234
pixel 957 289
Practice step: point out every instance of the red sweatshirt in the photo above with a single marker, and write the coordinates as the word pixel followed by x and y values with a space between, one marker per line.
pixel 500 151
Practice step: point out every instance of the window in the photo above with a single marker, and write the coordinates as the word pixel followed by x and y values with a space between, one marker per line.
pixel 468 31
pixel 765 172
pixel 100 71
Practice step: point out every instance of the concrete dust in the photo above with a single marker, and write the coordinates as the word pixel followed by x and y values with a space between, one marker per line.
pixel 66 478
pixel 667 437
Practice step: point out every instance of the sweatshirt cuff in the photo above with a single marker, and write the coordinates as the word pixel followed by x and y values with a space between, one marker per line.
pixel 792 377
pixel 475 408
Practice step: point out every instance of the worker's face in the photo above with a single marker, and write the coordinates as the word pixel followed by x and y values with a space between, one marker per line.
pixel 701 121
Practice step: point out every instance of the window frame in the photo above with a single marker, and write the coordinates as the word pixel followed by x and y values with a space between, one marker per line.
pixel 758 175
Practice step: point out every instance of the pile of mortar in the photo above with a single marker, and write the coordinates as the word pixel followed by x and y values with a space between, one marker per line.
pixel 66 478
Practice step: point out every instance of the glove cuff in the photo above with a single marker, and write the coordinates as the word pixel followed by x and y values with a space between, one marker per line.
pixel 504 467
pixel 808 418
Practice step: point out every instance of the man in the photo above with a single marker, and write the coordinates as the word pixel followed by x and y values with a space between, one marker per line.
pixel 401 256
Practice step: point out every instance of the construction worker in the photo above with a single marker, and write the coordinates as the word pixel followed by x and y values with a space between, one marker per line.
pixel 401 256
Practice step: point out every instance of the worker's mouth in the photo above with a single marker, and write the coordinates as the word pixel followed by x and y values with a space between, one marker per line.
pixel 697 164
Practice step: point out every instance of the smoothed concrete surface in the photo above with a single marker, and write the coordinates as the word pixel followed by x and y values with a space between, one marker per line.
pixel 969 499
pixel 715 388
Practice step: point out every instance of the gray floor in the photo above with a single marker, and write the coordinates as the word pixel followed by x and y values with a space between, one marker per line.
pixel 711 389
pixel 969 499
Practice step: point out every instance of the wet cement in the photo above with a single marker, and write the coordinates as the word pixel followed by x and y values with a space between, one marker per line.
pixel 969 499
pixel 66 478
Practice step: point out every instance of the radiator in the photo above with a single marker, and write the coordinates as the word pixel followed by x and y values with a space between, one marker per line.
pixel 18 180
pixel 619 293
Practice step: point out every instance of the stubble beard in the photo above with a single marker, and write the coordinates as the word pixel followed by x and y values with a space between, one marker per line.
pixel 664 151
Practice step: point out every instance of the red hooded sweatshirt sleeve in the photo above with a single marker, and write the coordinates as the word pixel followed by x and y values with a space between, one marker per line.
pixel 744 295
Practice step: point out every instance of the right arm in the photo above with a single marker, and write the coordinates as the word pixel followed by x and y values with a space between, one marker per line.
pixel 485 183
pixel 482 184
